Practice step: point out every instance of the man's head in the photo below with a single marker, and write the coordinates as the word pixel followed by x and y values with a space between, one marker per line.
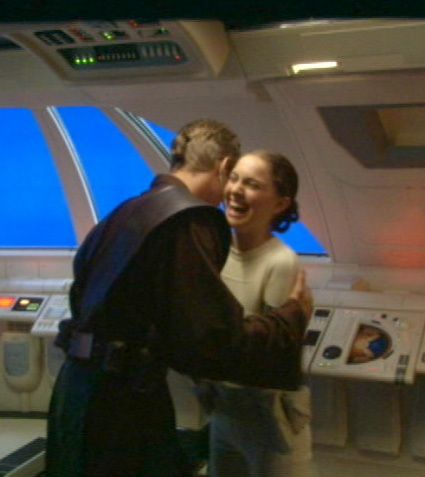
pixel 203 143
pixel 202 155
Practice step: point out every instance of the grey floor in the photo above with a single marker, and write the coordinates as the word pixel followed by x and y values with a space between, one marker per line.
pixel 334 464
pixel 330 463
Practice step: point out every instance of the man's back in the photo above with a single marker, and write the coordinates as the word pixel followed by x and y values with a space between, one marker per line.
pixel 113 415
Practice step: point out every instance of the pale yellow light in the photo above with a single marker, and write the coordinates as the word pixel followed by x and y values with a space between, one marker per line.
pixel 313 66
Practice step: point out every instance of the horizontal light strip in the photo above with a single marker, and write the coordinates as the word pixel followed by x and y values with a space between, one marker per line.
pixel 313 66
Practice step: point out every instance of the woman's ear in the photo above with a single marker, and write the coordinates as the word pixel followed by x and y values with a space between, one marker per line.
pixel 283 204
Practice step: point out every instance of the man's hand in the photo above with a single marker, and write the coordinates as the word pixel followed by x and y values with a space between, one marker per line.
pixel 302 294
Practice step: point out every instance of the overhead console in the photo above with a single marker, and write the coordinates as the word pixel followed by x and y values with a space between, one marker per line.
pixel 96 50
pixel 329 46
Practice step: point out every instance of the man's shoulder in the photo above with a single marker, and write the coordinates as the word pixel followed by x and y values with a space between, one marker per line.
pixel 207 220
pixel 182 210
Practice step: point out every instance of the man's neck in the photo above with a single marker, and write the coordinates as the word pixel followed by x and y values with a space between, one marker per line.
pixel 198 183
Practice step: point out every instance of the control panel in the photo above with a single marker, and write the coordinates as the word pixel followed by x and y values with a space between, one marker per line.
pixel 370 344
pixel 21 360
pixel 314 335
pixel 55 310
pixel 21 307
pixel 420 364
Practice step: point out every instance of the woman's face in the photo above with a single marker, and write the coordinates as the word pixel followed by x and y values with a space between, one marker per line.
pixel 250 195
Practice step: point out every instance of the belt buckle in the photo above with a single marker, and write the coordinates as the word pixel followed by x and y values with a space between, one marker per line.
pixel 114 357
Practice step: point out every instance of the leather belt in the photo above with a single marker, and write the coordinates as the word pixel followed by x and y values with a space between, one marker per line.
pixel 132 361
pixel 84 346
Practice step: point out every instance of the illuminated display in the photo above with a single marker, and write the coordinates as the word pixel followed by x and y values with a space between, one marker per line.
pixel 27 304
pixel 154 53
pixel 6 302
pixel 113 35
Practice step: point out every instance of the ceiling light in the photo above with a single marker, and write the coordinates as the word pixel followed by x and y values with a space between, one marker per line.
pixel 318 65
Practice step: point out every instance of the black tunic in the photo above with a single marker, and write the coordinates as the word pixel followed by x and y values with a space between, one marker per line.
pixel 101 424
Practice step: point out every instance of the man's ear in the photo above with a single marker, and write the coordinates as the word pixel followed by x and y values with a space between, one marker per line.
pixel 226 165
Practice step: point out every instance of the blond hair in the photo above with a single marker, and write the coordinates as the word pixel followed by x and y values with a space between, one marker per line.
pixel 202 143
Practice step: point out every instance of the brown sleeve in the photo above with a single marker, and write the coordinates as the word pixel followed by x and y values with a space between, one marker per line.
pixel 200 322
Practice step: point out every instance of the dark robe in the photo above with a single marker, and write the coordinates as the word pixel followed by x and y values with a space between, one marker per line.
pixel 103 424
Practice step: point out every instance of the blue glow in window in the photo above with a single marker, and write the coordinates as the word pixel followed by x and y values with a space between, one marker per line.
pixel 114 169
pixel 165 135
pixel 298 237
pixel 33 210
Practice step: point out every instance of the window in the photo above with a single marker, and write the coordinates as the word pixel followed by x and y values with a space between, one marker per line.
pixel 302 240
pixel 33 206
pixel 33 209
pixel 163 134
pixel 113 167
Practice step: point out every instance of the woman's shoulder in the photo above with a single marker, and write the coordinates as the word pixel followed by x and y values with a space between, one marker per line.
pixel 280 252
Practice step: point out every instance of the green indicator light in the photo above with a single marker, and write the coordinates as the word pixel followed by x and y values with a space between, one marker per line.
pixel 161 31
pixel 91 60
pixel 107 35
pixel 77 61
pixel 84 60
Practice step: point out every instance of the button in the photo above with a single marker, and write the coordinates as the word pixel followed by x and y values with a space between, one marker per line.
pixel 332 352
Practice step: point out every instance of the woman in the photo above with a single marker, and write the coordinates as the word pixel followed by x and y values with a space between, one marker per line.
pixel 257 432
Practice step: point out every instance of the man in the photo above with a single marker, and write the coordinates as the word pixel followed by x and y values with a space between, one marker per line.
pixel 147 296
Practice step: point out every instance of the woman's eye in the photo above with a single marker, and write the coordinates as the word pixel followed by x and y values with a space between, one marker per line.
pixel 254 185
